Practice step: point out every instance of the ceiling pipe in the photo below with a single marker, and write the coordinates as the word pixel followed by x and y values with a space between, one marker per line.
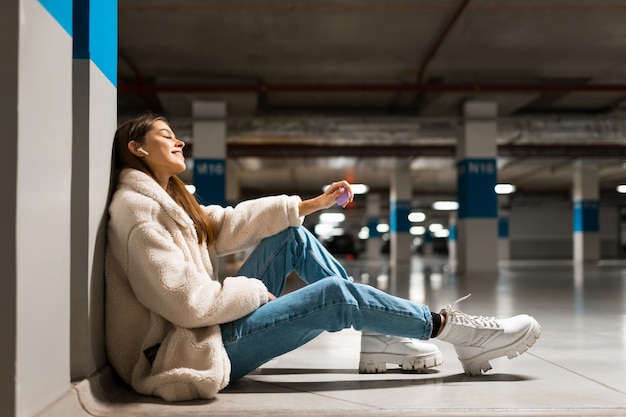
pixel 375 88
pixel 442 37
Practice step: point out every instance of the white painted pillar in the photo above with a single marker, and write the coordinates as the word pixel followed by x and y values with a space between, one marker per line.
pixel 585 197
pixel 209 151
pixel 477 227
pixel 36 172
pixel 233 190
pixel 504 245
pixel 452 244
pixel 94 124
pixel 374 241
pixel 399 209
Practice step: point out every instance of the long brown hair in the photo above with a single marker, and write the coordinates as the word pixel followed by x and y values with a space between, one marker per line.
pixel 136 130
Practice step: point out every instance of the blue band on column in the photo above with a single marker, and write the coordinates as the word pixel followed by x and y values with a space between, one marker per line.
pixel 372 226
pixel 586 216
pixel 95 23
pixel 503 227
pixel 476 195
pixel 61 11
pixel 103 37
pixel 209 177
pixel 452 237
pixel 399 216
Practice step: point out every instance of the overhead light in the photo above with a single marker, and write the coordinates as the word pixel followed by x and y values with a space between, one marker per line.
pixel 621 189
pixel 442 233
pixel 382 228
pixel 445 205
pixel 416 217
pixel 332 217
pixel 435 227
pixel 504 188
pixel 191 188
pixel 325 231
pixel 417 230
pixel 356 188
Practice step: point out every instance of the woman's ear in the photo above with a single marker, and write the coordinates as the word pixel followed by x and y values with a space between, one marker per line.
pixel 136 149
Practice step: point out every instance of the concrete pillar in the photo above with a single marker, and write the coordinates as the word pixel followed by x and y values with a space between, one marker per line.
pixel 477 225
pixel 233 191
pixel 36 175
pixel 452 244
pixel 209 151
pixel 585 197
pixel 504 246
pixel 94 103
pixel 399 224
pixel 374 242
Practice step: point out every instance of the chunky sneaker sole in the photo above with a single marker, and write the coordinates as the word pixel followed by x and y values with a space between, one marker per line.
pixel 476 365
pixel 374 363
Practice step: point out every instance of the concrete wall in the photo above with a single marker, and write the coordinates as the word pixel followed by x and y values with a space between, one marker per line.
pixel 542 228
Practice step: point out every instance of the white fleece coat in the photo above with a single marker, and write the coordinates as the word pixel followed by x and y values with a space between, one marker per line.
pixel 162 286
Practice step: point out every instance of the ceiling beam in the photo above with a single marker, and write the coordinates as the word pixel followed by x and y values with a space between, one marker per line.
pixel 240 150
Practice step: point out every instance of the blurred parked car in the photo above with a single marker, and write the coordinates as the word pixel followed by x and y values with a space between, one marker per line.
pixel 343 245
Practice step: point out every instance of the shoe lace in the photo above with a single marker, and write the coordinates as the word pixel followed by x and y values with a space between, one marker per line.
pixel 460 317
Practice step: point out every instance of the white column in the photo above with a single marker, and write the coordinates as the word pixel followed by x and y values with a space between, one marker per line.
pixel 36 172
pixel 504 245
pixel 94 123
pixel 233 190
pixel 399 209
pixel 585 197
pixel 477 227
pixel 374 242
pixel 209 151
pixel 452 244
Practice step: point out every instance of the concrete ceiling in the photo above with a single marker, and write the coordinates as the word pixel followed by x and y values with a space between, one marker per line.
pixel 327 89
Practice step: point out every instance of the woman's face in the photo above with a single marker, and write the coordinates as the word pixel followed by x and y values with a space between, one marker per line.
pixel 165 152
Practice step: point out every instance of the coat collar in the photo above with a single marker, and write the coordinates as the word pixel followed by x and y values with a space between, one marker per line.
pixel 144 184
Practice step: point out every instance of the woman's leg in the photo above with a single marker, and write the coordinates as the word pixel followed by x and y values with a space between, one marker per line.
pixel 329 304
pixel 293 250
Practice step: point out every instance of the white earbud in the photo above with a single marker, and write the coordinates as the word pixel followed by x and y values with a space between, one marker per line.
pixel 143 151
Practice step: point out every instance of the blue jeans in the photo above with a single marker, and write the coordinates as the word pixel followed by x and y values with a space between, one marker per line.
pixel 330 302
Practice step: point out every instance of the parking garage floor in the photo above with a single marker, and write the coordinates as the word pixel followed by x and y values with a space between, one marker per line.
pixel 577 367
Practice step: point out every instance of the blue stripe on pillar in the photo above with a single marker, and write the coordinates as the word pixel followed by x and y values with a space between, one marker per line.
pixel 372 226
pixel 586 216
pixel 209 177
pixel 103 37
pixel 503 227
pixel 81 29
pixel 399 216
pixel 61 11
pixel 95 23
pixel 475 188
pixel 452 236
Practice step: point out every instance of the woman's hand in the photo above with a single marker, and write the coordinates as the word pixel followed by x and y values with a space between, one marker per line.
pixel 270 297
pixel 327 199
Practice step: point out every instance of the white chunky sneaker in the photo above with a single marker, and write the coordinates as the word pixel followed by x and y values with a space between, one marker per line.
pixel 477 339
pixel 378 350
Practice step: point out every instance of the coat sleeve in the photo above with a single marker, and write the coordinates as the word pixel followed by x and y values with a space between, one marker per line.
pixel 166 282
pixel 249 222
